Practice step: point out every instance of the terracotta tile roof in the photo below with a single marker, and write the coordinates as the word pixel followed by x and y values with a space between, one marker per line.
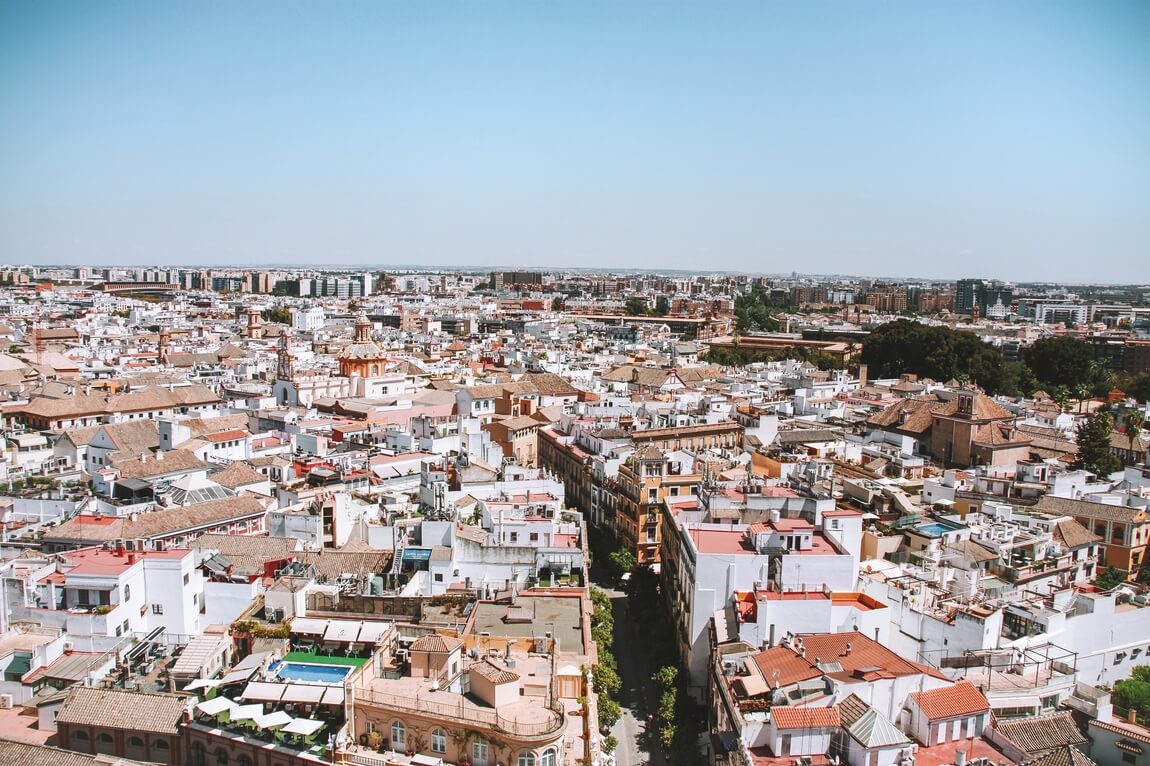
pixel 1064 506
pixel 805 717
pixel 173 461
pixel 27 754
pixel 492 672
pixel 237 474
pixel 1073 535
pixel 435 643
pixel 155 524
pixel 962 699
pixel 1038 735
pixel 131 711
pixel 1066 755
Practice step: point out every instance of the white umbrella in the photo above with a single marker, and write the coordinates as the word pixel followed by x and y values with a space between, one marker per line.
pixel 244 712
pixel 303 726
pixel 216 706
pixel 271 720
pixel 201 683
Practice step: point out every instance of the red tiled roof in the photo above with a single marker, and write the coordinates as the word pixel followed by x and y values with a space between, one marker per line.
pixel 805 717
pixel 962 699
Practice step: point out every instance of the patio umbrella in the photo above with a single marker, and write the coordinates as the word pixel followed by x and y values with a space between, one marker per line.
pixel 272 720
pixel 245 712
pixel 216 706
pixel 303 726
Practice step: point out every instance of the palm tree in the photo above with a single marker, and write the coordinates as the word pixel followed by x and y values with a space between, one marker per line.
pixel 1081 391
pixel 1135 419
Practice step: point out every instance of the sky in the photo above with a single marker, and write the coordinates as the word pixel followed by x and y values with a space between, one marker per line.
pixel 927 138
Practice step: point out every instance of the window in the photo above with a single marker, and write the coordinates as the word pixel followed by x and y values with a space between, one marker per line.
pixel 135 742
pixel 526 759
pixel 479 751
pixel 1129 758
pixel 244 760
pixel 104 742
pixel 127 592
pixel 438 741
pixel 187 579
pixel 548 757
pixel 199 758
pixel 514 537
pixel 221 757
pixel 157 608
pixel 439 576
pixel 534 537
pixel 398 736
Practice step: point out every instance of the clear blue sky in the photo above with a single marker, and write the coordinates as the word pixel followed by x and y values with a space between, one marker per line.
pixel 928 138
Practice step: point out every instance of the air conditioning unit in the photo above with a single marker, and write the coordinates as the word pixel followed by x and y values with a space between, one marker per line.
pixel 5 701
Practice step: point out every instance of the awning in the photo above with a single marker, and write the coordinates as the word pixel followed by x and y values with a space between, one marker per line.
pixel 372 632
pixel 263 692
pixel 308 626
pixel 303 726
pixel 343 631
pixel 238 676
pixel 302 693
pixel 416 554
pixel 332 695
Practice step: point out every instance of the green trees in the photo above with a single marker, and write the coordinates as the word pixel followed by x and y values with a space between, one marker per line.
pixel 940 353
pixel 605 673
pixel 636 306
pixel 622 560
pixel 754 313
pixel 1109 578
pixel 1094 453
pixel 1062 361
pixel 1134 693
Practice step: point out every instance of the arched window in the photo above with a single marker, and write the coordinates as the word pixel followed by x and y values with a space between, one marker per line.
pixel 244 760
pixel 548 757
pixel 526 758
pixel 127 592
pixel 104 742
pixel 199 757
pixel 80 740
pixel 438 741
pixel 221 757
pixel 398 736
pixel 161 751
pixel 135 742
pixel 479 751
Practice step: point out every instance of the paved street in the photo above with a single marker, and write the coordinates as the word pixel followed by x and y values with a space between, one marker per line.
pixel 635 743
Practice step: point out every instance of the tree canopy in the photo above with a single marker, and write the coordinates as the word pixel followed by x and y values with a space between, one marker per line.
pixel 1094 452
pixel 940 353
pixel 1061 361
pixel 755 313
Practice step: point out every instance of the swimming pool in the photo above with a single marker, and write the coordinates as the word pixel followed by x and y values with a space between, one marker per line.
pixel 934 530
pixel 318 674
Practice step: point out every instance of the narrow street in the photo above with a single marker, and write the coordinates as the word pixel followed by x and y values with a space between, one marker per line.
pixel 637 746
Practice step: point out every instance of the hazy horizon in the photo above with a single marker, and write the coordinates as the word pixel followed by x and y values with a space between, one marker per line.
pixel 1006 140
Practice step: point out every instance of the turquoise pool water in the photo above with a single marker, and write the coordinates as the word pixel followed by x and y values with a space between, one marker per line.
pixel 937 530
pixel 321 674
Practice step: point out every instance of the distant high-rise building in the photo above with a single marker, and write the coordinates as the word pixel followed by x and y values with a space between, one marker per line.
pixel 972 293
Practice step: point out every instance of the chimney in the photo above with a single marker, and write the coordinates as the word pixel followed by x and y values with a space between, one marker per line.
pixel 960 756
pixel 848 651
pixel 1132 716
pixel 160 456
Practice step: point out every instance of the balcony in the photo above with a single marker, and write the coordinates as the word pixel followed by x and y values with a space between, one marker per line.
pixel 529 719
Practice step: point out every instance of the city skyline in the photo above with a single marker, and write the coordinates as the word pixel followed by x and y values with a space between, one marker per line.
pixel 942 141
